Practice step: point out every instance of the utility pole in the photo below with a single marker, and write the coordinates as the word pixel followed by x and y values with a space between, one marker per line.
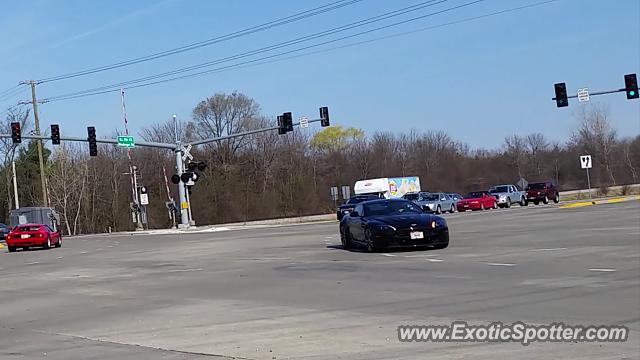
pixel 15 184
pixel 34 102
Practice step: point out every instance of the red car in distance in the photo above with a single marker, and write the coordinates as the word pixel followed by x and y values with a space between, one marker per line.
pixel 27 235
pixel 477 200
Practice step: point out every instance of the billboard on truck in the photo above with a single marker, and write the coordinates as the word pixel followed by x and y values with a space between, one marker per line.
pixel 389 188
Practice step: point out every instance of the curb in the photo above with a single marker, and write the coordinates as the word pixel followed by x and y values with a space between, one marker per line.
pixel 599 202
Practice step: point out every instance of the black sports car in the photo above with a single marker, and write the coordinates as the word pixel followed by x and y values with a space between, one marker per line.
pixel 380 224
pixel 348 205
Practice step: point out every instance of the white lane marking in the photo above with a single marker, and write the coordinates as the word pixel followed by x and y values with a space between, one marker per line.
pixel 501 264
pixel 184 270
pixel 421 255
pixel 390 255
pixel 59 257
pixel 435 260
pixel 83 252
pixel 33 263
pixel 602 270
pixel 549 249
pixel 109 246
pixel 328 237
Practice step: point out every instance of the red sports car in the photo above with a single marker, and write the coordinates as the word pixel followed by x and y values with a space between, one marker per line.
pixel 477 200
pixel 27 235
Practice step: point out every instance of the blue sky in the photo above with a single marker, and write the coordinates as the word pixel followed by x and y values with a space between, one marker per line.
pixel 480 80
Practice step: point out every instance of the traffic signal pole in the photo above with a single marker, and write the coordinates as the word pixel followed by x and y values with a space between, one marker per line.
pixel 179 151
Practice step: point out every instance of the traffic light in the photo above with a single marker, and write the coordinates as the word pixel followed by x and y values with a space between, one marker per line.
pixel 16 134
pixel 281 129
pixel 561 95
pixel 324 116
pixel 191 166
pixel 287 122
pixel 91 137
pixel 631 86
pixel 55 134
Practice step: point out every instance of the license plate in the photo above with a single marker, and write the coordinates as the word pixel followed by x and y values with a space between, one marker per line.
pixel 24 236
pixel 416 235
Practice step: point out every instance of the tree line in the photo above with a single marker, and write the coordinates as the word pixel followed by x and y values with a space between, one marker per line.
pixel 268 175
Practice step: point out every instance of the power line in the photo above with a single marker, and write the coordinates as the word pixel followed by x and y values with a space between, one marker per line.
pixel 259 62
pixel 353 25
pixel 265 26
pixel 10 91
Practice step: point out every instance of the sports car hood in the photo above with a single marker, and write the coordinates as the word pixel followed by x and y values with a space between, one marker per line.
pixel 403 221
pixel 470 199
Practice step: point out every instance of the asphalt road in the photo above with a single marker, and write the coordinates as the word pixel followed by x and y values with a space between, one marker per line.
pixel 292 292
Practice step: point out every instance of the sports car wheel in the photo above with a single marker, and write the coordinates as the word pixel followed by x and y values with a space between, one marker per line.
pixel 370 241
pixel 11 248
pixel 47 245
pixel 345 238
pixel 482 206
pixel 495 205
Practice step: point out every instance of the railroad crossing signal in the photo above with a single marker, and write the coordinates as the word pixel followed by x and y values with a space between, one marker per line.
pixel 631 86
pixel 144 196
pixel 16 133
pixel 561 95
pixel 55 134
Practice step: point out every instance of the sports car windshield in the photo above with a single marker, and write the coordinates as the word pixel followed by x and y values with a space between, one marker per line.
pixel 500 189
pixel 391 208
pixel 474 195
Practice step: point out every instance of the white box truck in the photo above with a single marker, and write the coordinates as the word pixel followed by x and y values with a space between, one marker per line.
pixel 388 188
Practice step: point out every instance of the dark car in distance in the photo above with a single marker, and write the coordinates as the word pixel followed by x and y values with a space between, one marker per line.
pixel 351 203
pixel 542 191
pixel 392 223
pixel 4 230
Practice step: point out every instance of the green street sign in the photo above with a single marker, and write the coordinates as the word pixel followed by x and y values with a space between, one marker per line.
pixel 126 141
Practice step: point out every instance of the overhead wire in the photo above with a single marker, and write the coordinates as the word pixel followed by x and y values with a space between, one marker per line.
pixel 265 26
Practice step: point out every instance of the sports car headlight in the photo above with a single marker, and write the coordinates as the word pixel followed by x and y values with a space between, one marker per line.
pixel 438 223
pixel 384 227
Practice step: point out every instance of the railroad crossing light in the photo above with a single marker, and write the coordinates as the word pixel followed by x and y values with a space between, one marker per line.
pixel 186 176
pixel 287 122
pixel 91 138
pixel 631 86
pixel 191 166
pixel 324 116
pixel 561 95
pixel 175 178
pixel 16 134
pixel 202 165
pixel 55 134
pixel 143 189
pixel 281 129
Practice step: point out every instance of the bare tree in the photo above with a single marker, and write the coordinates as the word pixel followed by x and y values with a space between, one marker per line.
pixel 515 151
pixel 537 145
pixel 68 181
pixel 596 136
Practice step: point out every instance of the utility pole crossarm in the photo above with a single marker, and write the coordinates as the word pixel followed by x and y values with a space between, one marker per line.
pixel 245 133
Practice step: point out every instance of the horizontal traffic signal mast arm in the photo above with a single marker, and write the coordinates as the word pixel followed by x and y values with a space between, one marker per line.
pixel 245 133
pixel 102 141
